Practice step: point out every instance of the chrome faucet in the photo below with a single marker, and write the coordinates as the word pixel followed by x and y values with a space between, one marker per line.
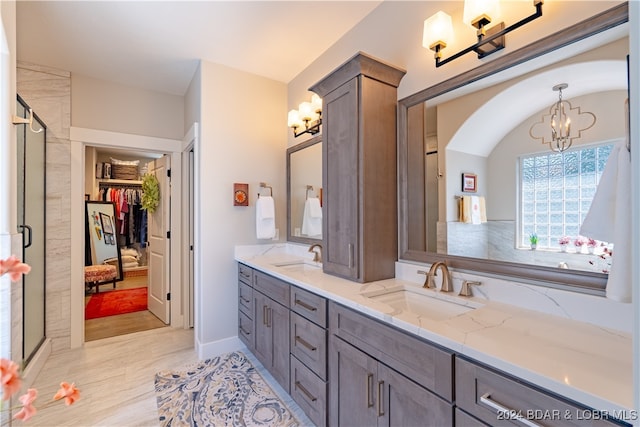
pixel 446 277
pixel 317 255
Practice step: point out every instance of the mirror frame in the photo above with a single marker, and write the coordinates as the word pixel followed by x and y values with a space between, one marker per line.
pixel 574 280
pixel 301 146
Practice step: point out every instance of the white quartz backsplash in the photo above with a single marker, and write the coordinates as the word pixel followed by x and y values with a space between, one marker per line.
pixel 592 309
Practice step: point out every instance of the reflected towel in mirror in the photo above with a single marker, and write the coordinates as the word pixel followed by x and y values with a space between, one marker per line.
pixel 472 210
pixel 312 218
pixel 609 219
pixel 265 218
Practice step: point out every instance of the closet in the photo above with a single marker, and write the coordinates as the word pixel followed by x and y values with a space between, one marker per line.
pixel 31 163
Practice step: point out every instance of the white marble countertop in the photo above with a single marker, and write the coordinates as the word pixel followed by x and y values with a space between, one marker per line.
pixel 583 362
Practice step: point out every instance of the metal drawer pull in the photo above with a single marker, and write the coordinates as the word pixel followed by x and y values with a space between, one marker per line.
pixel 247 275
pixel 369 383
pixel 380 398
pixel 304 343
pixel 350 255
pixel 486 399
pixel 269 317
pixel 305 305
pixel 246 301
pixel 305 392
pixel 244 332
pixel 264 315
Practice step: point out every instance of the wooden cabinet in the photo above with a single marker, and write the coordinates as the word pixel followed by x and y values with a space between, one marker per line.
pixel 381 376
pixel 309 354
pixel 271 325
pixel 501 400
pixel 364 391
pixel 359 169
pixel 245 306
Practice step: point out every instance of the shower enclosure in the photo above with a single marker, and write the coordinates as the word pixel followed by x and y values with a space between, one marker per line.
pixel 32 224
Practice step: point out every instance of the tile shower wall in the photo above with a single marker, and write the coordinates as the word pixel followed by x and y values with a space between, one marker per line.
pixel 48 92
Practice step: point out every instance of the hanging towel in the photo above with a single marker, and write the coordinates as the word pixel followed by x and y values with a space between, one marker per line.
pixel 312 218
pixel 265 218
pixel 609 219
pixel 472 210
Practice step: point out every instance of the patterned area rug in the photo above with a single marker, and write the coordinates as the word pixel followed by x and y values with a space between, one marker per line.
pixel 223 391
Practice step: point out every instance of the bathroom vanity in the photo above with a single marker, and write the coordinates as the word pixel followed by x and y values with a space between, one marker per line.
pixel 349 356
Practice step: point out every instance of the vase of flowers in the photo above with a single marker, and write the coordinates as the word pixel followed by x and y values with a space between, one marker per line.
pixel 579 243
pixel 10 381
pixel 564 242
pixel 591 245
pixel 533 241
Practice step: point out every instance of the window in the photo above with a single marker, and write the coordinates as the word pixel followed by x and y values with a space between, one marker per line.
pixel 556 192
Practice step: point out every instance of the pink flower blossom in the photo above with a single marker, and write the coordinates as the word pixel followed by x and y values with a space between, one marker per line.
pixel 579 241
pixel 69 392
pixel 14 267
pixel 10 378
pixel 564 240
pixel 592 243
pixel 28 410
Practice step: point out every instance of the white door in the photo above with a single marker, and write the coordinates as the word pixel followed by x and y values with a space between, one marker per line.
pixel 159 255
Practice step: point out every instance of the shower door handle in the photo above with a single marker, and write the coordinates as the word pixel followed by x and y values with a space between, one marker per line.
pixel 30 235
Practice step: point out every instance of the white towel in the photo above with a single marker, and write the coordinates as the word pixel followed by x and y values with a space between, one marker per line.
pixel 312 218
pixel 265 218
pixel 609 220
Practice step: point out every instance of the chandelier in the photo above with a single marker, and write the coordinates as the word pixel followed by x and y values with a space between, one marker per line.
pixel 563 124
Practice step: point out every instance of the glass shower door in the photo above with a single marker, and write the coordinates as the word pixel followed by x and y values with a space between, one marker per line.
pixel 31 223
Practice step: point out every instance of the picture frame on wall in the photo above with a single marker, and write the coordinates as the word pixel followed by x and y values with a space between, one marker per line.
pixel 469 182
pixel 107 224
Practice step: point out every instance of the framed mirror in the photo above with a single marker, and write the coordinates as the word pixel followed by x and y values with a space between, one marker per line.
pixel 101 236
pixel 469 139
pixel 304 191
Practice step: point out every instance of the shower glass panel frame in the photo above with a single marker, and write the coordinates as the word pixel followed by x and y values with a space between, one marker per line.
pixel 31 162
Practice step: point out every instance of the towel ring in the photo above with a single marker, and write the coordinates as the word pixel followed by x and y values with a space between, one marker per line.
pixel 264 185
pixel 309 188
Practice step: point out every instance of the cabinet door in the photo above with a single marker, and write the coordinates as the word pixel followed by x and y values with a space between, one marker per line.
pixel 401 402
pixel 352 387
pixel 278 323
pixel 340 181
pixel 263 339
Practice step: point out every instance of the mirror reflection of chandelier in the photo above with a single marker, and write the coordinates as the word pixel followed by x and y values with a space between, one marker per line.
pixel 563 124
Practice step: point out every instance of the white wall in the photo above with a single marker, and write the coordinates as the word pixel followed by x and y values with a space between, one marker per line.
pixel 98 104
pixel 243 139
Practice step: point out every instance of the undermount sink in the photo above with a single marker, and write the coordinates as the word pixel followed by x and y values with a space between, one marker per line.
pixel 299 265
pixel 422 302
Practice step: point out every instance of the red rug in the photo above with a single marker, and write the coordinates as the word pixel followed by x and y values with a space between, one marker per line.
pixel 116 302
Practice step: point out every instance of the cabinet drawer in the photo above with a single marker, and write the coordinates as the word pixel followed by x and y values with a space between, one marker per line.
pixel 274 288
pixel 498 400
pixel 425 363
pixel 309 305
pixel 245 299
pixel 309 344
pixel 245 274
pixel 245 329
pixel 465 420
pixel 309 391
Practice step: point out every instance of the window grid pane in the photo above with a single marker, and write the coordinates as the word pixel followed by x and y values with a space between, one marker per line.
pixel 556 192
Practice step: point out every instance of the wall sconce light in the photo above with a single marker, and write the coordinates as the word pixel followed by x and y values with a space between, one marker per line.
pixel 438 29
pixel 309 115
pixel 556 127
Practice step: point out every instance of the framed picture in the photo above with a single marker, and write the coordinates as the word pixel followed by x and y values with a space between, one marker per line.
pixel 469 182
pixel 107 224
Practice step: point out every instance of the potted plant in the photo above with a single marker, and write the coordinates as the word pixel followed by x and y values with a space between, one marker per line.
pixel 591 245
pixel 564 242
pixel 579 242
pixel 533 240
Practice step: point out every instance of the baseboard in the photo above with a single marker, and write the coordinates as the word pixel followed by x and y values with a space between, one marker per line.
pixel 212 349
pixel 35 365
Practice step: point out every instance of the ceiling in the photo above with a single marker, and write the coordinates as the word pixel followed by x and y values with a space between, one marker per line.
pixel 156 45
